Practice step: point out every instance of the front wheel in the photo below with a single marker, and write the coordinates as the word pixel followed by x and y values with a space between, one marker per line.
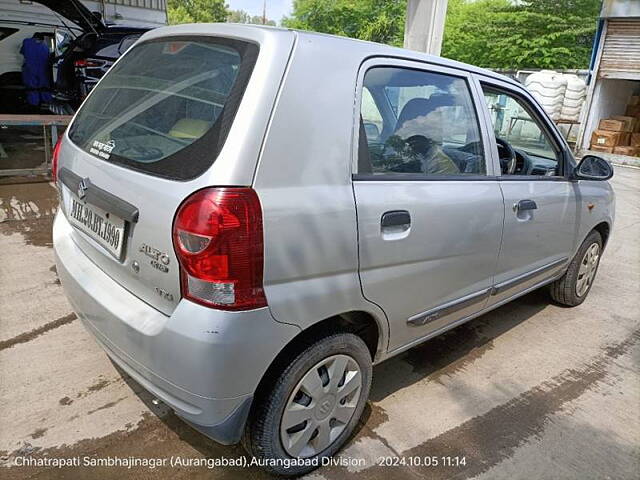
pixel 572 288
pixel 313 407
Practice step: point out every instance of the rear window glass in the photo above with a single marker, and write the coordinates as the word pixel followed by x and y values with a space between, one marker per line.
pixel 5 32
pixel 166 108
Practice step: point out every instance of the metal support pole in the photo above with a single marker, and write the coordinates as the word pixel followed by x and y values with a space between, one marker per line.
pixel 47 146
pixel 424 25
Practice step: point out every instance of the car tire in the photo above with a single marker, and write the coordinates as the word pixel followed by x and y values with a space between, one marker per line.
pixel 573 287
pixel 309 387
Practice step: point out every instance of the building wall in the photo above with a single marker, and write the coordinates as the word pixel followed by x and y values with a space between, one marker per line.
pixel 521 75
pixel 620 8
pixel 143 13
pixel 607 96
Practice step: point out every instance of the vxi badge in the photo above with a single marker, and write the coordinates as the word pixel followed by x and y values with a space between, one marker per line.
pixel 159 260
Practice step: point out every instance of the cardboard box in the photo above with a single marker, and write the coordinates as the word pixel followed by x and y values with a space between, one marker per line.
pixel 612 125
pixel 630 151
pixel 632 111
pixel 629 122
pixel 634 100
pixel 605 138
pixel 624 139
pixel 598 148
pixel 635 140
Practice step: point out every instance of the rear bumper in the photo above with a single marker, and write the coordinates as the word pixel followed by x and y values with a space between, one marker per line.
pixel 204 363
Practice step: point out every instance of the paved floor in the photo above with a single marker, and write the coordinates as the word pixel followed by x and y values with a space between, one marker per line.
pixel 22 147
pixel 531 390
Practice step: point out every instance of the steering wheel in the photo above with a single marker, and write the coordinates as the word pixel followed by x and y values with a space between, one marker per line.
pixel 507 164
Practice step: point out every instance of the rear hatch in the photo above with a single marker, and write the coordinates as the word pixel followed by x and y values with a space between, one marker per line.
pixel 76 12
pixel 139 146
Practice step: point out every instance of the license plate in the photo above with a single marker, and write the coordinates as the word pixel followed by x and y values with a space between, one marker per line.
pixel 105 228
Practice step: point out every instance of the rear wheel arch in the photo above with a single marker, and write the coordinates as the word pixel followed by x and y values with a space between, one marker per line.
pixel 284 424
pixel 360 323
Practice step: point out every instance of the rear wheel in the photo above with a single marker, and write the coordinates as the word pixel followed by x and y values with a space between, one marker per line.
pixel 572 288
pixel 314 406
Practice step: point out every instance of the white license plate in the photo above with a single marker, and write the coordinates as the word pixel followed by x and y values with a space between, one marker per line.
pixel 105 228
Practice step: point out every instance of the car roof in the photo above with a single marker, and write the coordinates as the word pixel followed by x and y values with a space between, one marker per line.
pixel 405 53
pixel 119 28
pixel 364 48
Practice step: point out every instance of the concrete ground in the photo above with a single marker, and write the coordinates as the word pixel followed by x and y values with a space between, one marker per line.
pixel 531 390
pixel 22 147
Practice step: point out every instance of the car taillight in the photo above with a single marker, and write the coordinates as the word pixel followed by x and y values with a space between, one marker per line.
pixel 83 62
pixel 217 236
pixel 54 160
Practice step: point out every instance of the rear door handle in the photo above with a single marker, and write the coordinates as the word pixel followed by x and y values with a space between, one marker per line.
pixel 523 205
pixel 396 218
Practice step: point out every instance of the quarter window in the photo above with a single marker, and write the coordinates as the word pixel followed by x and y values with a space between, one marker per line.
pixel 423 124
pixel 5 32
pixel 371 116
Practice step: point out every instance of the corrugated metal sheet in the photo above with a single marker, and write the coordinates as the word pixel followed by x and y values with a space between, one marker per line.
pixel 620 8
pixel 621 50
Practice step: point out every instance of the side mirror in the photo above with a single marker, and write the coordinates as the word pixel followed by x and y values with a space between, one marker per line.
pixel 593 168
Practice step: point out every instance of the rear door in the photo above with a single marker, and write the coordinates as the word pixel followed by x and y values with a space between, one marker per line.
pixel 156 122
pixel 429 207
pixel 540 227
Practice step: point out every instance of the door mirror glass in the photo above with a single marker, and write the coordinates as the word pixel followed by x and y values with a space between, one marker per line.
pixel 593 168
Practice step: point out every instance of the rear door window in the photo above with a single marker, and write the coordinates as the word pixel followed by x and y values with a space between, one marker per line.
pixel 431 130
pixel 165 109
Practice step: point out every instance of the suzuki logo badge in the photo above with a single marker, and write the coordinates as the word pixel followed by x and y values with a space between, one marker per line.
pixel 325 407
pixel 82 188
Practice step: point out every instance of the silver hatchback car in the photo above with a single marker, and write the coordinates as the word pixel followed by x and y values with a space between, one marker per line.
pixel 252 217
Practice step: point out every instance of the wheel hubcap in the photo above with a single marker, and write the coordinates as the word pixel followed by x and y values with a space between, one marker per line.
pixel 320 406
pixel 588 267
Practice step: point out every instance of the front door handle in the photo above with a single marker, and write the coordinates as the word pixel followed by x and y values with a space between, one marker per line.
pixel 523 205
pixel 396 218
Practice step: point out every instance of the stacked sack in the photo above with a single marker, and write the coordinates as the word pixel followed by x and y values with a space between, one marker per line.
pixel 561 95
pixel 574 98
pixel 548 88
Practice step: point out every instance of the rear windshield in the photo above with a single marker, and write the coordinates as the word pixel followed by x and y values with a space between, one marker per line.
pixel 166 108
